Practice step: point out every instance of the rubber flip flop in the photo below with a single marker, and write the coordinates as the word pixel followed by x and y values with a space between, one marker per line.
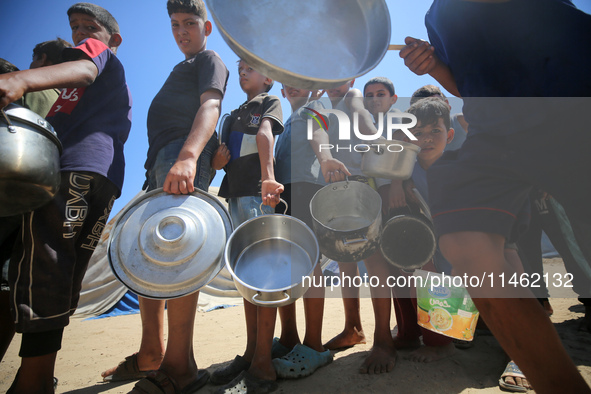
pixel 512 370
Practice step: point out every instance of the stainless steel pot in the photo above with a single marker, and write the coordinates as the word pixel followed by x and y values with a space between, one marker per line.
pixel 29 161
pixel 347 220
pixel 408 238
pixel 269 256
pixel 167 246
pixel 390 159
pixel 331 43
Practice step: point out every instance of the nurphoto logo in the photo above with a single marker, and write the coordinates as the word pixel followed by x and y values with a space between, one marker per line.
pixel 394 121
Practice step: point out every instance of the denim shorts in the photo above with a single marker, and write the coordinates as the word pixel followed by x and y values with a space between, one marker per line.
pixel 244 208
pixel 168 155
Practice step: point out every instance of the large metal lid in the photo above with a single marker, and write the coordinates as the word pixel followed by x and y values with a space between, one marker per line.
pixel 167 246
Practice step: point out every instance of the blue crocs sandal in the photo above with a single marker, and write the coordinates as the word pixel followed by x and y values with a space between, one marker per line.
pixel 278 349
pixel 300 362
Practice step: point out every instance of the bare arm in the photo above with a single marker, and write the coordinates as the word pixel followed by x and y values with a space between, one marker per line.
pixel 181 176
pixel 74 74
pixel 354 101
pixel 332 169
pixel 419 56
pixel 270 188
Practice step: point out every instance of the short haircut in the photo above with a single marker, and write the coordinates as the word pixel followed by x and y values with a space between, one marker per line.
pixel 196 7
pixel 384 81
pixel 429 110
pixel 52 49
pixel 269 87
pixel 103 16
pixel 426 91
pixel 7 67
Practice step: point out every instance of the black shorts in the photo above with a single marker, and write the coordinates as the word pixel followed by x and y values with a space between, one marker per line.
pixel 484 186
pixel 52 252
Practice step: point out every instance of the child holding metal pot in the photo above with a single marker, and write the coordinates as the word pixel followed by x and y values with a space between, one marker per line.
pixel 299 171
pixel 433 132
pixel 515 102
pixel 251 190
pixel 92 119
pixel 383 354
pixel 181 134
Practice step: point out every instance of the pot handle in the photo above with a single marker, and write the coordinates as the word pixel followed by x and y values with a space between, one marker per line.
pixel 281 200
pixel 270 303
pixel 11 128
pixel 354 240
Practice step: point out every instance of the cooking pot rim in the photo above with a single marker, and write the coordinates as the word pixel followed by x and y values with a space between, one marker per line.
pixel 229 264
pixel 24 115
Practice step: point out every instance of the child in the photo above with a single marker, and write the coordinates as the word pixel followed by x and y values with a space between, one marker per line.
pixel 350 101
pixel 92 120
pixel 39 102
pixel 247 136
pixel 298 170
pixel 458 122
pixel 433 133
pixel 511 133
pixel 379 97
pixel 179 155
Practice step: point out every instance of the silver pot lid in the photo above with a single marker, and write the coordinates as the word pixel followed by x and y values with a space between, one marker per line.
pixel 166 246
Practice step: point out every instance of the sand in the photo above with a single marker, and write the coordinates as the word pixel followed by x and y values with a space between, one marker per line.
pixel 91 346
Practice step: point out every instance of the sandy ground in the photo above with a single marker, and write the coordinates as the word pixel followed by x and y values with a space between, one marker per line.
pixel 91 346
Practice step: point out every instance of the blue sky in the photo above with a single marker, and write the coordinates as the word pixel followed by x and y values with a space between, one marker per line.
pixel 149 53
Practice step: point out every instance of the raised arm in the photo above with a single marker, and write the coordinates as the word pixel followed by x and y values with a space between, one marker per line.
pixel 74 74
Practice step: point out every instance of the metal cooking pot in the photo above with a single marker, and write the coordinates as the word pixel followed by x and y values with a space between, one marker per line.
pixel 408 239
pixel 269 256
pixel 29 161
pixel 390 159
pixel 347 220
pixel 331 42
pixel 167 246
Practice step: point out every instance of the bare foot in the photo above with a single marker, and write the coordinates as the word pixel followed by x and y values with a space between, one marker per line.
pixel 427 354
pixel 380 360
pixel 406 344
pixel 346 339
pixel 522 382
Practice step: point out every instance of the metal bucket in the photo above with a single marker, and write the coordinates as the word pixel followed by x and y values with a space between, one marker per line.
pixel 167 246
pixel 29 161
pixel 269 256
pixel 408 239
pixel 390 159
pixel 329 44
pixel 347 220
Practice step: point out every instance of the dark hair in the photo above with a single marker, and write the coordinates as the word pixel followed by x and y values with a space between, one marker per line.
pixel 269 87
pixel 52 49
pixel 7 67
pixel 196 7
pixel 429 110
pixel 426 91
pixel 103 16
pixel 384 81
